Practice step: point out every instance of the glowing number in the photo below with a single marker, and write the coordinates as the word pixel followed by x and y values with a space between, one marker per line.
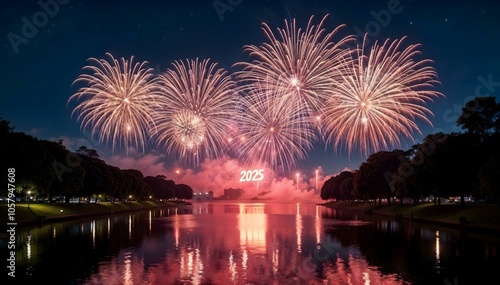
pixel 252 175
pixel 261 174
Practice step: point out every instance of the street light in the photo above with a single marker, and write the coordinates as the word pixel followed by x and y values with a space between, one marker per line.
pixel 29 193
pixel 316 190
pixel 297 181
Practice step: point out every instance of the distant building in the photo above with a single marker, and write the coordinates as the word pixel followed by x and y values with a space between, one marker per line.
pixel 233 194
pixel 199 196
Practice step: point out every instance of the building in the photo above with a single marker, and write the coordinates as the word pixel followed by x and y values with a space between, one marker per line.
pixel 233 194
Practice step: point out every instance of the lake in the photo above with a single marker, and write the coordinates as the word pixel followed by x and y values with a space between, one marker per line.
pixel 226 242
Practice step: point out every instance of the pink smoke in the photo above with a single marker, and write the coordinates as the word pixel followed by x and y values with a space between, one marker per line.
pixel 217 174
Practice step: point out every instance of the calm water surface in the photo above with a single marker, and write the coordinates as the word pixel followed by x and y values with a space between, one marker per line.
pixel 251 243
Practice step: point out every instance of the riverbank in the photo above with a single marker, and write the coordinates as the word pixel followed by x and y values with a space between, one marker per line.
pixel 36 213
pixel 476 217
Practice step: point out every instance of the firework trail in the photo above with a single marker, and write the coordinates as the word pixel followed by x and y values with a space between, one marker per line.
pixel 117 101
pixel 272 129
pixel 200 106
pixel 378 98
pixel 302 62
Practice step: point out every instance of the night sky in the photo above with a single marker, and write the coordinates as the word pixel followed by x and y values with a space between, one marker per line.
pixel 461 37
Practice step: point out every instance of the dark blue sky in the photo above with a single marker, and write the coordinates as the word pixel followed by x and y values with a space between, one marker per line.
pixel 462 37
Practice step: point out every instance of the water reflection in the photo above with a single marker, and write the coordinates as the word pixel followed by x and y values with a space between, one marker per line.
pixel 253 243
pixel 252 225
pixel 250 243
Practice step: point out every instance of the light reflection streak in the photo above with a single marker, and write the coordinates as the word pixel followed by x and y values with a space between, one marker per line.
pixel 149 220
pixel 28 247
pixel 129 226
pixel 198 273
pixel 232 267
pixel 366 278
pixel 181 265
pixel 109 227
pixel 190 265
pixel 317 226
pixel 92 229
pixel 176 232
pixel 298 226
pixel 244 261
pixel 127 275
pixel 437 247
pixel 275 260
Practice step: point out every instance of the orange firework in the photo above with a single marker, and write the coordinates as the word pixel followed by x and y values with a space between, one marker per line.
pixel 200 105
pixel 273 130
pixel 117 101
pixel 301 62
pixel 378 98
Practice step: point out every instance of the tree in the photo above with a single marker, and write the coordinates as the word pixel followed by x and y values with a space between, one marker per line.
pixel 346 187
pixel 98 176
pixel 83 150
pixel 361 183
pixel 117 178
pixel 135 184
pixel 184 192
pixel 412 179
pixel 371 177
pixel 326 189
pixel 160 187
pixel 480 116
pixel 454 165
pixel 5 128
pixel 67 168
pixel 31 160
pixel 332 187
pixel 489 178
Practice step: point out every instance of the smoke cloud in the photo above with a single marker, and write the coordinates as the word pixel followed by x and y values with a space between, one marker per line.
pixel 217 174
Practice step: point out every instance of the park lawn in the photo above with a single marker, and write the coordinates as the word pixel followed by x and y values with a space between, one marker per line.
pixel 477 215
pixel 23 214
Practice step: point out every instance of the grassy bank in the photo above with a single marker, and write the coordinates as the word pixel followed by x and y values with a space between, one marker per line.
pixel 477 216
pixel 50 212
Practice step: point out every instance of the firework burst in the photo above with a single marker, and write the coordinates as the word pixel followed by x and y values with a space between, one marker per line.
pixel 301 62
pixel 378 97
pixel 117 101
pixel 273 130
pixel 200 105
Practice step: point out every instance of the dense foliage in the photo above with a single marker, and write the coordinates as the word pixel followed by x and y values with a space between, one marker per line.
pixel 459 164
pixel 50 172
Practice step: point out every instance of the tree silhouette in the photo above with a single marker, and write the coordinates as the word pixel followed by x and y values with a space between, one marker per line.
pixel 480 116
pixel 489 178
